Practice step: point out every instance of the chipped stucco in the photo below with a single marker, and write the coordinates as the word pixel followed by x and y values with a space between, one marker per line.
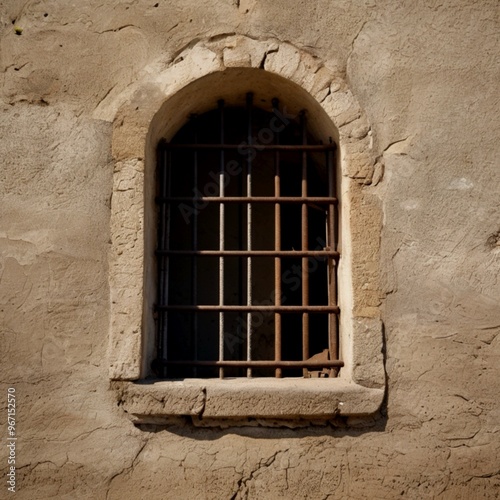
pixel 425 74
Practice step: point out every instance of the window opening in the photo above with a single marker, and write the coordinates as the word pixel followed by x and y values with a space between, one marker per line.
pixel 247 248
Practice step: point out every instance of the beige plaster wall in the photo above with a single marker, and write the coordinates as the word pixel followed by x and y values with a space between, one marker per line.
pixel 426 74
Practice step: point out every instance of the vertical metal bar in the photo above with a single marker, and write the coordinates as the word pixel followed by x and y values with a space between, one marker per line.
pixel 249 234
pixel 194 270
pixel 241 264
pixel 277 247
pixel 163 243
pixel 221 240
pixel 166 245
pixel 305 237
pixel 162 174
pixel 332 271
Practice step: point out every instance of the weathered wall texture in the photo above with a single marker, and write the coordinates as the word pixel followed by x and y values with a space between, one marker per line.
pixel 426 74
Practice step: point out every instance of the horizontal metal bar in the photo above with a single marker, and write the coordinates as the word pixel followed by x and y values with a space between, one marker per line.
pixel 257 364
pixel 250 199
pixel 245 147
pixel 251 253
pixel 252 308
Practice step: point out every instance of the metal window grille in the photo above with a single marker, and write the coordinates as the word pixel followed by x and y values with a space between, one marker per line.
pixel 247 250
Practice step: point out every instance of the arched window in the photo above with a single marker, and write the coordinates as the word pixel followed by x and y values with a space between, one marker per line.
pixel 226 237
pixel 247 246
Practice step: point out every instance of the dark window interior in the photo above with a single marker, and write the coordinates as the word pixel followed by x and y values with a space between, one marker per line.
pixel 233 299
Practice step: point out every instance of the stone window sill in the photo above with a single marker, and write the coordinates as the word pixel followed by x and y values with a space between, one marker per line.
pixel 154 402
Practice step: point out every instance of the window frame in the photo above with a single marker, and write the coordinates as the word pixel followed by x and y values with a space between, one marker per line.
pixel 140 117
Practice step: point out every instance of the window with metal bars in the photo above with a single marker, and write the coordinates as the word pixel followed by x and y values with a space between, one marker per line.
pixel 247 247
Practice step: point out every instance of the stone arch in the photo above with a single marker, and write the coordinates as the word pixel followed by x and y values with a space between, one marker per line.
pixel 155 107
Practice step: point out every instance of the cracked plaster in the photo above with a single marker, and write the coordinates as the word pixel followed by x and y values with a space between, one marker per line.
pixel 423 74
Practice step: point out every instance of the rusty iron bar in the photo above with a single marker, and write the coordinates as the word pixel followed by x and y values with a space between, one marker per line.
pixel 257 364
pixel 252 253
pixel 249 100
pixel 246 147
pixel 250 199
pixel 332 268
pixel 241 262
pixel 163 264
pixel 194 235
pixel 166 235
pixel 277 247
pixel 245 308
pixel 305 246
pixel 221 240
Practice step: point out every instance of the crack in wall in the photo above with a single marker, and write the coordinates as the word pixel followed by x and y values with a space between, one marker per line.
pixel 120 28
pixel 262 63
pixel 105 95
pixel 354 40
pixel 200 408
pixel 244 480
pixel 399 141
pixel 126 469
